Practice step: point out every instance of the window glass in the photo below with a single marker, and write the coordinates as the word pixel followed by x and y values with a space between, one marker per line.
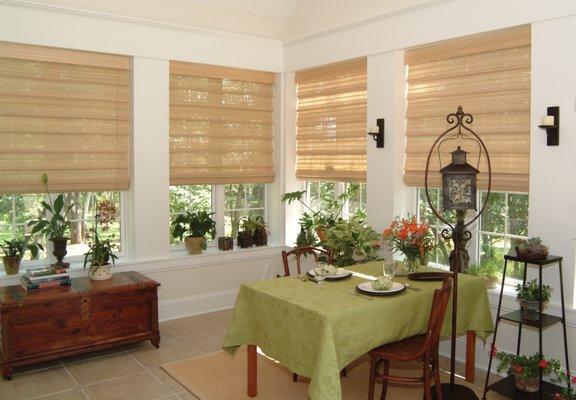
pixel 243 200
pixel 189 198
pixel 357 202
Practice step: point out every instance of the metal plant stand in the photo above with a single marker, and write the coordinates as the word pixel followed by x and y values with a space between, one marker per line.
pixel 506 386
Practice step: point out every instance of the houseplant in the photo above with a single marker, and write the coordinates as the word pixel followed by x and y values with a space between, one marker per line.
pixel 414 240
pixel 260 233
pixel 352 241
pixel 14 252
pixel 56 226
pixel 528 296
pixel 199 226
pixel 567 392
pixel 246 234
pixel 526 369
pixel 101 251
pixel 488 271
pixel 532 248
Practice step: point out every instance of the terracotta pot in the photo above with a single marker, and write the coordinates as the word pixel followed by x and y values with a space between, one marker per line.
pixel 100 273
pixel 60 252
pixel 321 233
pixel 12 264
pixel 195 245
pixel 528 385
pixel 531 309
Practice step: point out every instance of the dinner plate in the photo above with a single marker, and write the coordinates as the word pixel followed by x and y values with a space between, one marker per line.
pixel 332 277
pixel 366 287
pixel 428 276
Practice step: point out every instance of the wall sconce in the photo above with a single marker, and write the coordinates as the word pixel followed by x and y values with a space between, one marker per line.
pixel 378 133
pixel 551 122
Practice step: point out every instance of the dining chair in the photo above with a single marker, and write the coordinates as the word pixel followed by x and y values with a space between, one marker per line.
pixel 422 348
pixel 298 252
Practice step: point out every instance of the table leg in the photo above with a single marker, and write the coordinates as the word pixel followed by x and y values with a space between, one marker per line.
pixel 252 371
pixel 470 356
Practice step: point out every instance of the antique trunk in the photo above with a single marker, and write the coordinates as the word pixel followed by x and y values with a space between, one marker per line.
pixel 86 316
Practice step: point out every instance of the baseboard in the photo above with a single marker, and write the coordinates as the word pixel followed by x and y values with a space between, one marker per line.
pixel 194 305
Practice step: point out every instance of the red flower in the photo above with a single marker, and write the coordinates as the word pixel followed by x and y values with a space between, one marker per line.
pixel 543 364
pixel 493 352
pixel 518 369
pixel 574 380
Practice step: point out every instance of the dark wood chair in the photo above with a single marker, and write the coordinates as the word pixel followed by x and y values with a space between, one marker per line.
pixel 298 252
pixel 422 348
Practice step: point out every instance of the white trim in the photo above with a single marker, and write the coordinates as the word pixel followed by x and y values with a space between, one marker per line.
pixel 198 304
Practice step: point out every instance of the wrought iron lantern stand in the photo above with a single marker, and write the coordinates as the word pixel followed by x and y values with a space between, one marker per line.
pixel 460 235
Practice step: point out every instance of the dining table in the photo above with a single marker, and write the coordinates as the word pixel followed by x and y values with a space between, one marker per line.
pixel 316 330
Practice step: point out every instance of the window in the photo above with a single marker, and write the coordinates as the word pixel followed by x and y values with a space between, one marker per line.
pixel 320 193
pixel 505 218
pixel 243 200
pixel 191 198
pixel 17 209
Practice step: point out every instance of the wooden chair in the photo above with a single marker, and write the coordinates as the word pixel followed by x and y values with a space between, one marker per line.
pixel 422 348
pixel 298 252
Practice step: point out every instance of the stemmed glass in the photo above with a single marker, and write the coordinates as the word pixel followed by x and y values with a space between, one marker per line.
pixel 320 272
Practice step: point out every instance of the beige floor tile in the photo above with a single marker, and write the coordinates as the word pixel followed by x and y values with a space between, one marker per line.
pixel 167 380
pixel 98 369
pixel 36 367
pixel 187 396
pixel 68 395
pixel 135 387
pixel 152 357
pixel 36 384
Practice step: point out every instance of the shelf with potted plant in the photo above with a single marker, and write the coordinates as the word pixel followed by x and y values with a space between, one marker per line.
pixel 533 298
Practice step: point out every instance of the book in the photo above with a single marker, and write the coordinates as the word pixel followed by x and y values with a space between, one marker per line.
pixel 45 285
pixel 45 278
pixel 44 271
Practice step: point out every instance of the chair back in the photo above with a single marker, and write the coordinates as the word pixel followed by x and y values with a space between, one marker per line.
pixel 298 252
pixel 437 314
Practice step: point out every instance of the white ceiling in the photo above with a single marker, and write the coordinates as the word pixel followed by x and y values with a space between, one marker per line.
pixel 271 19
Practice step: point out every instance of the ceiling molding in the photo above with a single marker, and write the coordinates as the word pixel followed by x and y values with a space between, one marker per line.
pixel 134 20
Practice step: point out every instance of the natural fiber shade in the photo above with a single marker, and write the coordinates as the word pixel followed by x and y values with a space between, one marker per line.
pixel 331 122
pixel 66 113
pixel 221 125
pixel 489 76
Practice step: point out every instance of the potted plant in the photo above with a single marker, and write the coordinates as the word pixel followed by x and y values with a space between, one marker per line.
pixel 490 272
pixel 199 226
pixel 260 234
pixel 567 392
pixel 101 251
pixel 525 369
pixel 528 296
pixel 14 252
pixel 532 249
pixel 352 241
pixel 414 240
pixel 245 236
pixel 56 227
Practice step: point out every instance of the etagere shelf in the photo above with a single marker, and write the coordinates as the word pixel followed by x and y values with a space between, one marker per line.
pixel 506 386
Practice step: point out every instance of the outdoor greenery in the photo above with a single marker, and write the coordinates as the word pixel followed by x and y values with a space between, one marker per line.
pixel 531 291
pixel 242 200
pixel 487 271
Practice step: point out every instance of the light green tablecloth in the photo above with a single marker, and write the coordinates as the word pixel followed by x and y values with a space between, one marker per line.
pixel 316 331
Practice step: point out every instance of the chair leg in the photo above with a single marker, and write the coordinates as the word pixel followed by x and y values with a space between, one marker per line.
pixel 385 372
pixel 294 377
pixel 437 382
pixel 427 383
pixel 372 380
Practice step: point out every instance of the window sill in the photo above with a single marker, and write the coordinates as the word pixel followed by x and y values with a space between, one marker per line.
pixel 179 259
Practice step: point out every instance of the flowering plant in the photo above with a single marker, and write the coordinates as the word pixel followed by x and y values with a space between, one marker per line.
pixel 413 239
pixel 567 392
pixel 525 367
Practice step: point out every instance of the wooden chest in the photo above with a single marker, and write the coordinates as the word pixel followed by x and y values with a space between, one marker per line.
pixel 87 316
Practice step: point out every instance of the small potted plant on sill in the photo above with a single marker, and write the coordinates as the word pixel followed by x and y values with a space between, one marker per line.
pixel 528 296
pixel 488 271
pixel 14 252
pixel 532 249
pixel 260 232
pixel 55 227
pixel 525 369
pixel 100 256
pixel 199 226
pixel 245 236
pixel 352 241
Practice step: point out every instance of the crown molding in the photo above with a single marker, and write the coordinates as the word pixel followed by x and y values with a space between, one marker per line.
pixel 134 20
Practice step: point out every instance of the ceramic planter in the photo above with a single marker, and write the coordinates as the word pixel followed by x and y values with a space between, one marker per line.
pixel 12 264
pixel 528 385
pixel 100 273
pixel 195 245
pixel 531 309
pixel 60 252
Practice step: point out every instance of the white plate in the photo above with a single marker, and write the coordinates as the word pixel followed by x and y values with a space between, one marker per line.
pixel 366 287
pixel 332 277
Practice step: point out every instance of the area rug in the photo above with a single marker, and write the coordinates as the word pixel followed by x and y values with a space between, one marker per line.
pixel 219 376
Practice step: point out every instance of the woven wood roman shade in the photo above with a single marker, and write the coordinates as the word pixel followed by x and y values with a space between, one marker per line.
pixel 331 122
pixel 489 76
pixel 221 125
pixel 66 113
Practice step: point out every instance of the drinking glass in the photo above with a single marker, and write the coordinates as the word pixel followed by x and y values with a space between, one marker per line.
pixel 320 272
pixel 389 268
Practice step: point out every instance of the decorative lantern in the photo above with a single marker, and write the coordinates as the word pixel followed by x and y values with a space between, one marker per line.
pixel 459 183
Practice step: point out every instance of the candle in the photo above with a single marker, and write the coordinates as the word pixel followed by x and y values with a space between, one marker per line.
pixel 547 120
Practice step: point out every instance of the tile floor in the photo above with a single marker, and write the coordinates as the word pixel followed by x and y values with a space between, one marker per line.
pixel 130 373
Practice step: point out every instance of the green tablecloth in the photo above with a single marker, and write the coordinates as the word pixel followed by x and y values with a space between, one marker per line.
pixel 316 331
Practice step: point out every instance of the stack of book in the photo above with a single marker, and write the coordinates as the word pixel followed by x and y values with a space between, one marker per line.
pixel 44 278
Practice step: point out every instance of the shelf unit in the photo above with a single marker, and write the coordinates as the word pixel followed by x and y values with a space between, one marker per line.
pixel 506 386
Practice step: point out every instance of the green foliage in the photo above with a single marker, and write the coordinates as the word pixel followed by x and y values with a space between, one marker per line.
pixel 252 224
pixel 196 224
pixel 352 238
pixel 306 237
pixel 525 366
pixel 17 247
pixel 57 225
pixel 534 244
pixel 293 196
pixel 531 291
pixel 487 271
pixel 100 253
